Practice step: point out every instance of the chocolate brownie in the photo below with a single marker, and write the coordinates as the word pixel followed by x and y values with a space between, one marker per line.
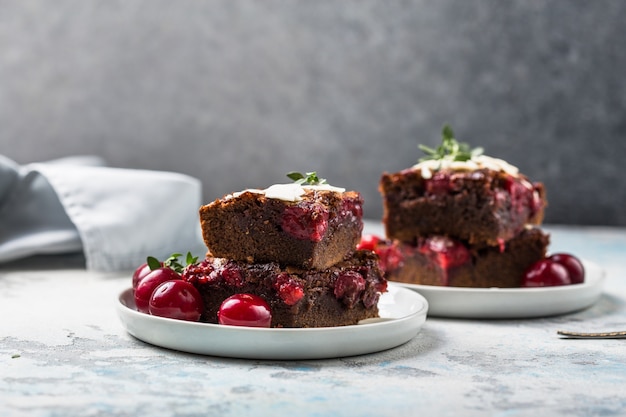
pixel 310 227
pixel 444 261
pixel 343 294
pixel 483 202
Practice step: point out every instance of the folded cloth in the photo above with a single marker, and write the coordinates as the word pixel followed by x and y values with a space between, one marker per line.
pixel 116 217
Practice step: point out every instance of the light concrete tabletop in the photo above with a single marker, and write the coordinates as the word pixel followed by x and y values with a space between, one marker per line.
pixel 64 352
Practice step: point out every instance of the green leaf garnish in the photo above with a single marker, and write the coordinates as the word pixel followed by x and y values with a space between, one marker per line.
pixel 153 263
pixel 172 262
pixel 450 149
pixel 309 178
pixel 191 259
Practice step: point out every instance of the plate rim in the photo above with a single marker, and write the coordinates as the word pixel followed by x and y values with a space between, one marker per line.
pixel 591 287
pixel 515 290
pixel 405 327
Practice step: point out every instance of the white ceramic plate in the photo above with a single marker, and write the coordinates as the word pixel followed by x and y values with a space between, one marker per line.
pixel 402 313
pixel 508 303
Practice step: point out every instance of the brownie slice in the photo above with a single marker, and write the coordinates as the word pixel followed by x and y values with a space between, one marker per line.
pixel 481 206
pixel 313 228
pixel 443 261
pixel 343 294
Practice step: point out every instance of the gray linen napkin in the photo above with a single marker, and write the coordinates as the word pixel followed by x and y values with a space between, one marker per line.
pixel 116 217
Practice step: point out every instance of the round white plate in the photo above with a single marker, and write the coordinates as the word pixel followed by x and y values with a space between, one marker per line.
pixel 402 314
pixel 508 303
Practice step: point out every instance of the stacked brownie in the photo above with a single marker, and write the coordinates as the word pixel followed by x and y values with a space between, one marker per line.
pixel 294 245
pixel 465 223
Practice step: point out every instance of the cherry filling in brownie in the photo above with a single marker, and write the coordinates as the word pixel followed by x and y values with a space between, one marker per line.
pixel 461 218
pixel 444 261
pixel 460 193
pixel 482 206
pixel 312 226
pixel 284 256
pixel 343 294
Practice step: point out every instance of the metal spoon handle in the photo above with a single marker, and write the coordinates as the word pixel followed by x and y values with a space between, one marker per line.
pixel 596 335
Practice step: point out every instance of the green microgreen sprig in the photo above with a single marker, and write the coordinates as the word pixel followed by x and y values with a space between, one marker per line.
pixel 309 178
pixel 172 262
pixel 450 149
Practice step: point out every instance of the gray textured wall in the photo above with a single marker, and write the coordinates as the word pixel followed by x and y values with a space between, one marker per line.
pixel 237 93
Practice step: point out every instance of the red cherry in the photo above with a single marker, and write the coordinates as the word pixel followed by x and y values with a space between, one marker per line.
pixel 306 222
pixel 439 184
pixel 245 310
pixel 352 206
pixel 573 265
pixel 446 252
pixel 176 299
pixel 368 242
pixel 289 290
pixel 545 273
pixel 140 273
pixel 390 256
pixel 148 284
pixel 349 286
